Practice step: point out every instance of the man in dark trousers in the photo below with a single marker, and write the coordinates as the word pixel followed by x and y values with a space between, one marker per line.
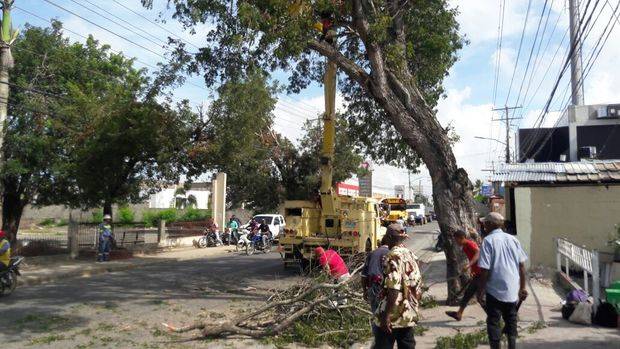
pixel 502 277
pixel 472 251
pixel 397 312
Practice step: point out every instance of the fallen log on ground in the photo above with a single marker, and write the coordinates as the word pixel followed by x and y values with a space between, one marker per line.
pixel 315 309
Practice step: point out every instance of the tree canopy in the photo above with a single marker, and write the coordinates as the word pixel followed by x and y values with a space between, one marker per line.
pixel 86 128
pixel 281 36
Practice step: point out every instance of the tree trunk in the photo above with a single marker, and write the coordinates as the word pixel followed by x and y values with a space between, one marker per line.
pixel 393 87
pixel 12 209
pixel 452 190
pixel 107 208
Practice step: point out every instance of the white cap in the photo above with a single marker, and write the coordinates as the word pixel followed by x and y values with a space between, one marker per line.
pixel 107 217
pixel 493 217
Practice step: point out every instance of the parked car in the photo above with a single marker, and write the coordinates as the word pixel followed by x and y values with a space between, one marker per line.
pixel 275 222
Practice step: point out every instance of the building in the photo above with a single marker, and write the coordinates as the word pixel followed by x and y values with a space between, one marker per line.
pixel 350 187
pixel 584 132
pixel 579 201
pixel 175 195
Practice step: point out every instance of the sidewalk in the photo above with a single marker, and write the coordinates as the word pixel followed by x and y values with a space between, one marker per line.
pixel 37 270
pixel 541 307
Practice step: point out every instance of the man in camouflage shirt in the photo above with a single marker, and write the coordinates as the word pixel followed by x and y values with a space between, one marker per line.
pixel 398 307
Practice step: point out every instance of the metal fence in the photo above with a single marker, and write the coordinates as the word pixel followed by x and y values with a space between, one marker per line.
pixel 57 240
pixel 125 236
pixel 586 260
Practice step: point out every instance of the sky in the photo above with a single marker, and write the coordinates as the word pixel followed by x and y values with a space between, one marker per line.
pixel 523 72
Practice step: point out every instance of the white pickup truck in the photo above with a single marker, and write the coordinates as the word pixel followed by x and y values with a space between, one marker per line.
pixel 416 213
pixel 275 222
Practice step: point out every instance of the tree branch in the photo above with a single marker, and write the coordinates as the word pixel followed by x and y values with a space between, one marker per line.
pixel 351 68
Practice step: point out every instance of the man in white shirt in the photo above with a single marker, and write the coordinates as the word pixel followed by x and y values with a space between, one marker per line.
pixel 502 278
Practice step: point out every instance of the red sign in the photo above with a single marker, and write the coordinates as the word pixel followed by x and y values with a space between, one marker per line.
pixel 347 189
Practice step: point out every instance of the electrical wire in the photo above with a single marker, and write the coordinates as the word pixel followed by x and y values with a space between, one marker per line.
pixel 500 34
pixel 590 64
pixel 105 29
pixel 155 23
pixel 514 72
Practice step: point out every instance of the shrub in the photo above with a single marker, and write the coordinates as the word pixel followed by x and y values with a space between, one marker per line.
pixel 98 216
pixel 126 215
pixel 48 222
pixel 194 214
pixel 150 218
pixel 169 215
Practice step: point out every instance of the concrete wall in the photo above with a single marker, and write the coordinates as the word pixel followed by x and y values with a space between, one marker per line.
pixel 523 219
pixel 585 215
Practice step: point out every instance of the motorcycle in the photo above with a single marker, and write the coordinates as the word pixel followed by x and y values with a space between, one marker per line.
pixel 256 244
pixel 209 239
pixel 8 277
pixel 229 238
pixel 243 240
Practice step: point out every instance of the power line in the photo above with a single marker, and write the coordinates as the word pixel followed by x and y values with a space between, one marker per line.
pixel 514 72
pixel 580 31
pixel 115 22
pixel 529 59
pixel 590 64
pixel 146 64
pixel 155 23
pixel 500 34
pixel 104 28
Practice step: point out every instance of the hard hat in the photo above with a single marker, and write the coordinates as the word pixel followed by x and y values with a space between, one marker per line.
pixel 2 234
pixel 107 217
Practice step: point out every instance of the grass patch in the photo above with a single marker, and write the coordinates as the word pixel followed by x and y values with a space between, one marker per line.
pixel 538 325
pixel 43 322
pixel 50 338
pixel 463 340
pixel 419 330
pixel 428 302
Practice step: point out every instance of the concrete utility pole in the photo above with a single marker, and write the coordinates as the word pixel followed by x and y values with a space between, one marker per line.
pixel 507 119
pixel 7 36
pixel 575 61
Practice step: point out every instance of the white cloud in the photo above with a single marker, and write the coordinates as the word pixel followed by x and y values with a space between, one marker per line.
pixel 470 121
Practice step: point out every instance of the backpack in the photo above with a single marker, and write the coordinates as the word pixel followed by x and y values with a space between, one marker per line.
pixel 576 296
pixel 606 316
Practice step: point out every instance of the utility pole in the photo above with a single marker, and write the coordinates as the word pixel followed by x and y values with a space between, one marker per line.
pixel 507 119
pixel 410 193
pixel 7 37
pixel 575 60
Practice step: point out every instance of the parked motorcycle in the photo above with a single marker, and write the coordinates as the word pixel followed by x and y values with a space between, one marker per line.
pixel 8 278
pixel 229 238
pixel 256 244
pixel 209 239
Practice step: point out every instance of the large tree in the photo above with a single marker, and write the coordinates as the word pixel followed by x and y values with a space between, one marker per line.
pixel 86 129
pixel 394 55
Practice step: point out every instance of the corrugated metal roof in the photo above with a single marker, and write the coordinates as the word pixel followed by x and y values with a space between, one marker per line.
pixel 565 172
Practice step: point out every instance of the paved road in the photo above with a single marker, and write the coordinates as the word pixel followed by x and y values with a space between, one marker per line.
pixel 125 309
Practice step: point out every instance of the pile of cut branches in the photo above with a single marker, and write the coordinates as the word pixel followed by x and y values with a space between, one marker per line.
pixel 316 310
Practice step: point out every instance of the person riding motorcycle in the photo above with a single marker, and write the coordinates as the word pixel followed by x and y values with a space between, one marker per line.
pixel 5 251
pixel 213 227
pixel 265 232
